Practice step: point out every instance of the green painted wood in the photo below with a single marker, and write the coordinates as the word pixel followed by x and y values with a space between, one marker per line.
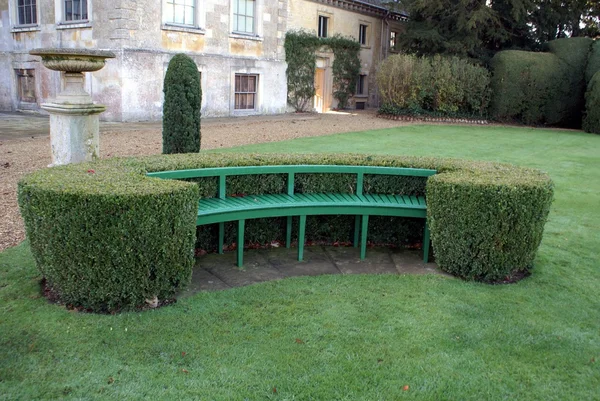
pixel 286 169
pixel 426 241
pixel 240 242
pixel 288 232
pixel 356 230
pixel 221 237
pixel 223 208
pixel 290 184
pixel 301 234
pixel 363 236
pixel 359 183
pixel 222 189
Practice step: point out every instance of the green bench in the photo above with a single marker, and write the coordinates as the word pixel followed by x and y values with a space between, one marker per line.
pixel 232 208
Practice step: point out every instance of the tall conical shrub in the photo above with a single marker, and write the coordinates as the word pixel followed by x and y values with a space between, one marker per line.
pixel 181 108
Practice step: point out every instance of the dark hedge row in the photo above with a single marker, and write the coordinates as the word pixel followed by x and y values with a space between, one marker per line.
pixel 591 121
pixel 542 88
pixel 107 237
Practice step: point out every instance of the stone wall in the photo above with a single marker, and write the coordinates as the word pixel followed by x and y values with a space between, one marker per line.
pixel 131 85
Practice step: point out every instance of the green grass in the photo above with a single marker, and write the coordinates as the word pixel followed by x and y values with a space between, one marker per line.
pixel 344 337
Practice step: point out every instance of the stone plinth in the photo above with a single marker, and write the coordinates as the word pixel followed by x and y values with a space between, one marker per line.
pixel 74 122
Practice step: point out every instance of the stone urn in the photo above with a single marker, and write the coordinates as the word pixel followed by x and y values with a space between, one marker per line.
pixel 74 122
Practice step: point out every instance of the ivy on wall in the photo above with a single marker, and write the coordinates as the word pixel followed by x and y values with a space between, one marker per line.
pixel 300 54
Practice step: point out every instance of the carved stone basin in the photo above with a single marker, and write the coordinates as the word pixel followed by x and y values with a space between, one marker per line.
pixel 73 60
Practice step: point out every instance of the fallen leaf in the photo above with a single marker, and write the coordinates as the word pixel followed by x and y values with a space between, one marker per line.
pixel 91 171
pixel 405 388
pixel 379 360
pixel 184 371
pixel 299 341
pixel 182 354
pixel 110 380
pixel 274 390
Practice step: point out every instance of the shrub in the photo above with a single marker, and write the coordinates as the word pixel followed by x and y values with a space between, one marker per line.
pixel 445 86
pixel 526 87
pixel 300 56
pixel 105 237
pixel 574 52
pixel 112 238
pixel 591 121
pixel 345 68
pixel 593 65
pixel 181 108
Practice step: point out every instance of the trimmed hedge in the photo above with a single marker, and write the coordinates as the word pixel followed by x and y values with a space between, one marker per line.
pixel 574 52
pixel 591 121
pixel 181 108
pixel 113 238
pixel 541 88
pixel 528 87
pixel 593 65
pixel 446 86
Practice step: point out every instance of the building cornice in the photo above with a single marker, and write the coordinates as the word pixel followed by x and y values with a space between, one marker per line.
pixel 365 8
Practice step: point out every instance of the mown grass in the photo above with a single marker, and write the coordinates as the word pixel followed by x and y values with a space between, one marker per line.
pixel 344 337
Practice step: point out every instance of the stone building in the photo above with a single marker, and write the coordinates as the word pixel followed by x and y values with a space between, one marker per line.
pixel 237 45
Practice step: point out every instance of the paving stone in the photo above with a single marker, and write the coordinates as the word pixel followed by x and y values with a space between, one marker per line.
pixel 410 261
pixel 316 261
pixel 347 260
pixel 203 280
pixel 256 268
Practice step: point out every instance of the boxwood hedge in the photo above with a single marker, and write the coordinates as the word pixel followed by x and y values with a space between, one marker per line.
pixel 591 121
pixel 106 237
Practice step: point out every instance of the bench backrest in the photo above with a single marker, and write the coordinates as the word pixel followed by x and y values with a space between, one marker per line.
pixel 291 170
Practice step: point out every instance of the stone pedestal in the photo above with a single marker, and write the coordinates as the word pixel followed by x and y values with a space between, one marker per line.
pixel 74 120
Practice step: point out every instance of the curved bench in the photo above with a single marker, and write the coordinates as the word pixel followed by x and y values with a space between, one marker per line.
pixel 291 204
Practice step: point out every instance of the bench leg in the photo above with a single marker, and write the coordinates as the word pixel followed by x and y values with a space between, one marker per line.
pixel 356 230
pixel 240 243
pixel 221 237
pixel 288 232
pixel 301 233
pixel 426 243
pixel 363 236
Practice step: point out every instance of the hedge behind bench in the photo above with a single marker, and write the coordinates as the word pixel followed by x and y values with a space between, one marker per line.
pixel 107 237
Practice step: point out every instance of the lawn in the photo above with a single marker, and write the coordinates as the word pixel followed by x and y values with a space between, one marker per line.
pixel 344 337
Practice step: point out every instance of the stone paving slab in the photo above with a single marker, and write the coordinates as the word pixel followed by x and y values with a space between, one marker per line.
pixel 217 272
pixel 256 268
pixel 410 261
pixel 348 261
pixel 316 261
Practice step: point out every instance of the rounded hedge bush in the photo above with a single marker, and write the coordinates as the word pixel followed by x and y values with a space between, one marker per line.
pixel 591 121
pixel 181 108
pixel 107 237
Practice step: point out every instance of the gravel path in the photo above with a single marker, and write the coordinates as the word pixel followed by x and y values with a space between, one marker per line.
pixel 26 154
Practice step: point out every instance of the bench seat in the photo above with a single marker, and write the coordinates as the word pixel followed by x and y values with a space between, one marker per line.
pixel 225 208
pixel 215 210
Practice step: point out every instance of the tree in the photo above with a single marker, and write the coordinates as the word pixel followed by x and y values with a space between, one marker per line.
pixel 181 108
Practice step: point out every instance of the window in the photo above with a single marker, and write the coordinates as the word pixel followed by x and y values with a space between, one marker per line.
pixel 361 88
pixel 393 40
pixel 76 10
pixel 362 34
pixel 245 91
pixel 180 12
pixel 27 12
pixel 26 85
pixel 243 16
pixel 323 25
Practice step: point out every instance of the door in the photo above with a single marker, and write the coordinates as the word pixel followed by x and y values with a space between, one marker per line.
pixel 319 90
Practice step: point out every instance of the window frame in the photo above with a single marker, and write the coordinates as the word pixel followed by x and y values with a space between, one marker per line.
pixel 15 13
pixel 323 25
pixel 240 92
pixel 235 16
pixel 63 13
pixel 362 85
pixel 393 40
pixel 196 14
pixel 363 30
